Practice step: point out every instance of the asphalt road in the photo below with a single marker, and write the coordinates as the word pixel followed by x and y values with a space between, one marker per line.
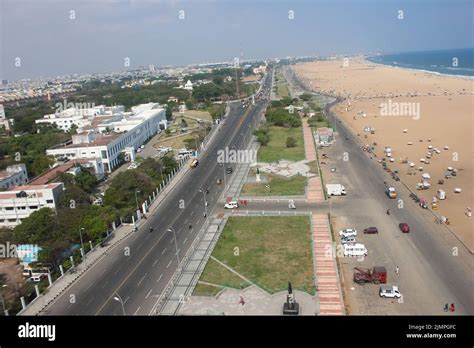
pixel 435 268
pixel 139 268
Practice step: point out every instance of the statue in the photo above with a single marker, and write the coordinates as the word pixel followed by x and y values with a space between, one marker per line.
pixel 291 307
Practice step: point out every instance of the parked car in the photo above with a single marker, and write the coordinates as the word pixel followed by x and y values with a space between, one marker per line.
pixel 231 205
pixel 371 230
pixel 389 291
pixel 348 240
pixel 404 227
pixel 348 232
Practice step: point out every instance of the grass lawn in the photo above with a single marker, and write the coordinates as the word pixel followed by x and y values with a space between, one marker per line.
pixel 217 274
pixel 276 148
pixel 205 290
pixel 279 186
pixel 282 90
pixel 175 143
pixel 269 257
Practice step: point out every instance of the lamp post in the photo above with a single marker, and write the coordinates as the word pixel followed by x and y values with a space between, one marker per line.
pixel 171 229
pixel 136 198
pixel 82 244
pixel 204 197
pixel 119 299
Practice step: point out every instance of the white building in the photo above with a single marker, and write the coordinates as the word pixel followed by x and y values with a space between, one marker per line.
pixel 20 202
pixel 188 85
pixel 107 138
pixel 79 116
pixel 4 122
pixel 13 176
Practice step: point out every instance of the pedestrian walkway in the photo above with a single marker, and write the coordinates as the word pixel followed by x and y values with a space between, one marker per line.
pixel 181 286
pixel 256 302
pixel 314 190
pixel 329 292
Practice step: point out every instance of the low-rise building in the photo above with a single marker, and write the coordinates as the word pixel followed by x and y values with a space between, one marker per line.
pixel 19 202
pixel 107 138
pixel 13 176
pixel 325 135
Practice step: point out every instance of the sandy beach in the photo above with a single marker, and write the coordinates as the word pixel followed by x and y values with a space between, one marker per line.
pixel 410 111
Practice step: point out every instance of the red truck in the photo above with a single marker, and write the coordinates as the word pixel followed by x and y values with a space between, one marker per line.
pixel 376 275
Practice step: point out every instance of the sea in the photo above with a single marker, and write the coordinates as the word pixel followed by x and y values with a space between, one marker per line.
pixel 458 62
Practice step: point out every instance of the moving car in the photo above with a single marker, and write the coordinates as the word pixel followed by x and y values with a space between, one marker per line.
pixel 389 291
pixel 404 227
pixel 371 230
pixel 348 232
pixel 335 190
pixel 231 205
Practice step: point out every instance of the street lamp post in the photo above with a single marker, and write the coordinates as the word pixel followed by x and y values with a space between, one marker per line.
pixel 119 299
pixel 136 198
pixel 171 229
pixel 204 197
pixel 82 243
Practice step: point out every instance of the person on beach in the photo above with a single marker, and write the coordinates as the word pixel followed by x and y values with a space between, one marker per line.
pixel 241 300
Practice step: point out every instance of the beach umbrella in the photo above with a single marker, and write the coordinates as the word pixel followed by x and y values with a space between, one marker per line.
pixel 426 176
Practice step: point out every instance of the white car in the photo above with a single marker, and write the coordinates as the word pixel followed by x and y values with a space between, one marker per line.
pixel 348 232
pixel 389 291
pixel 231 205
pixel 347 240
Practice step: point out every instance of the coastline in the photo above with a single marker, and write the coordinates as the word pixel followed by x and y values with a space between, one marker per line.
pixel 446 105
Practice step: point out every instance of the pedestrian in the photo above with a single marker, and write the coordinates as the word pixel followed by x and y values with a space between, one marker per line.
pixel 388 211
pixel 241 300
pixel 451 308
pixel 446 307
pixel 397 269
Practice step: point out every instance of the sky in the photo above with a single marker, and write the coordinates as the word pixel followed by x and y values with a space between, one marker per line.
pixel 40 38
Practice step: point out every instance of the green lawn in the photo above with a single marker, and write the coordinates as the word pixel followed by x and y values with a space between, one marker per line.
pixel 276 148
pixel 279 186
pixel 269 257
pixel 217 274
pixel 206 290
pixel 282 90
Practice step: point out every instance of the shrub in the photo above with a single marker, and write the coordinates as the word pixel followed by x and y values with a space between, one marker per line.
pixel 290 142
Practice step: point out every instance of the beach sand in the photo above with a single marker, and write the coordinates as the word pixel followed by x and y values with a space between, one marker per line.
pixel 437 107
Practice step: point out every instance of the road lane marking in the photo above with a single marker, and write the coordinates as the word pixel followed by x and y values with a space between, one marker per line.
pixel 88 286
pixel 163 251
pixel 185 239
pixel 146 254
pixel 154 263
pixel 136 311
pixel 171 261
pixel 141 279
pixel 126 300
pixel 159 278
pixel 90 300
pixel 149 292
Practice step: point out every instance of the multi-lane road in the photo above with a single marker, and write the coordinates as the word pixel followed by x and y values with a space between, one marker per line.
pixel 138 269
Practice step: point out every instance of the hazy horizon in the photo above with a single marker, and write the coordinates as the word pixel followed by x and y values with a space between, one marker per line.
pixel 99 35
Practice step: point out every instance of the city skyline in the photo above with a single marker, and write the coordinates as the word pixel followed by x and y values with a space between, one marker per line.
pixel 119 35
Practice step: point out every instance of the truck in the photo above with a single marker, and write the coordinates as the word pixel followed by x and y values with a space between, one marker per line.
pixel 335 190
pixel 376 275
pixel 390 191
pixel 194 163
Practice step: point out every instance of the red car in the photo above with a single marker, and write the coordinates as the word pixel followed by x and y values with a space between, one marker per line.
pixel 404 227
pixel 371 230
